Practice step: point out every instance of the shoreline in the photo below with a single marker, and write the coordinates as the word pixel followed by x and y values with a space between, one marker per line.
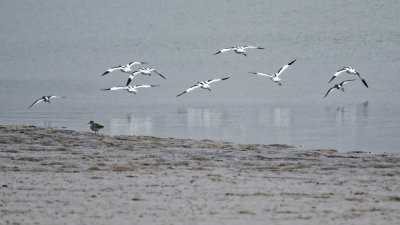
pixel 58 176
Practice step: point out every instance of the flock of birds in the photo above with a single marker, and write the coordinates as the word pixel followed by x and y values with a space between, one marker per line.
pixel 128 68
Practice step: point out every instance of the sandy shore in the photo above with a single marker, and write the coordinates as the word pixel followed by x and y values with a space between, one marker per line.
pixel 56 176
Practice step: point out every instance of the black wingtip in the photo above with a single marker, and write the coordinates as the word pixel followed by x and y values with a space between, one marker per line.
pixel 225 78
pixel 105 73
pixel 331 79
pixel 365 83
pixel 292 62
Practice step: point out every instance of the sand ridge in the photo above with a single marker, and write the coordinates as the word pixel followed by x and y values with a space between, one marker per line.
pixel 58 176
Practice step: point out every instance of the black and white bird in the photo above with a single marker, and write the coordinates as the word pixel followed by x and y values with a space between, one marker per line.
pixel 349 70
pixel 144 71
pixel 45 99
pixel 275 77
pixel 95 127
pixel 126 69
pixel 202 84
pixel 130 89
pixel 338 86
pixel 239 50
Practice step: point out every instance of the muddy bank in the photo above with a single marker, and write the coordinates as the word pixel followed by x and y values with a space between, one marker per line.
pixel 56 176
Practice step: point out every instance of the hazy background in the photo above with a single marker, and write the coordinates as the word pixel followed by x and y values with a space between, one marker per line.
pixel 62 48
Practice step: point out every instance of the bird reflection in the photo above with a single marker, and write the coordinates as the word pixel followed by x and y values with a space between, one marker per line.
pixel 277 116
pixel 281 116
pixel 350 114
pixel 202 117
pixel 132 125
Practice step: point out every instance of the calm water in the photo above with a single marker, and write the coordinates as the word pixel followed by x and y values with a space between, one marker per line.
pixel 53 48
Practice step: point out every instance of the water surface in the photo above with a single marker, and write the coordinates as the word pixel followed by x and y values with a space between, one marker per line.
pixel 62 48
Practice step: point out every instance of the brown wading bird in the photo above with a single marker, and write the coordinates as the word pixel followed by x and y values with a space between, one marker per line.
pixel 95 127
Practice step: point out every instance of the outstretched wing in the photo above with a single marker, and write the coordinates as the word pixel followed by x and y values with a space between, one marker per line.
pixel 224 50
pixel 283 68
pixel 155 71
pixel 36 102
pixel 189 89
pixel 329 91
pixel 346 81
pixel 53 96
pixel 338 73
pixel 261 74
pixel 362 79
pixel 215 80
pixel 145 86
pixel 249 46
pixel 115 88
pixel 112 69
pixel 131 76
pixel 136 63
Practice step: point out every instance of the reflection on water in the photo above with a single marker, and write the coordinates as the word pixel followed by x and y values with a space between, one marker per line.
pixel 349 114
pixel 313 126
pixel 277 116
pixel 281 116
pixel 359 126
pixel 200 117
pixel 131 125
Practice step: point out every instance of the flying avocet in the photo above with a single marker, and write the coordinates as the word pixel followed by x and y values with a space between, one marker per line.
pixel 338 86
pixel 45 99
pixel 239 50
pixel 126 69
pixel 349 70
pixel 144 71
pixel 202 84
pixel 275 77
pixel 130 89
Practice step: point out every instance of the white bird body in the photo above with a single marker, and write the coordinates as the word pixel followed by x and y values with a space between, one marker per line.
pixel 338 86
pixel 143 71
pixel 45 99
pixel 130 89
pixel 275 78
pixel 238 50
pixel 126 68
pixel 349 70
pixel 203 85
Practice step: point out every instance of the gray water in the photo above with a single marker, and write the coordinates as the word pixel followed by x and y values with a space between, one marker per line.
pixel 62 48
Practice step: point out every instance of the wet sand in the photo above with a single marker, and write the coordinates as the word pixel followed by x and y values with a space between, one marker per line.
pixel 58 176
